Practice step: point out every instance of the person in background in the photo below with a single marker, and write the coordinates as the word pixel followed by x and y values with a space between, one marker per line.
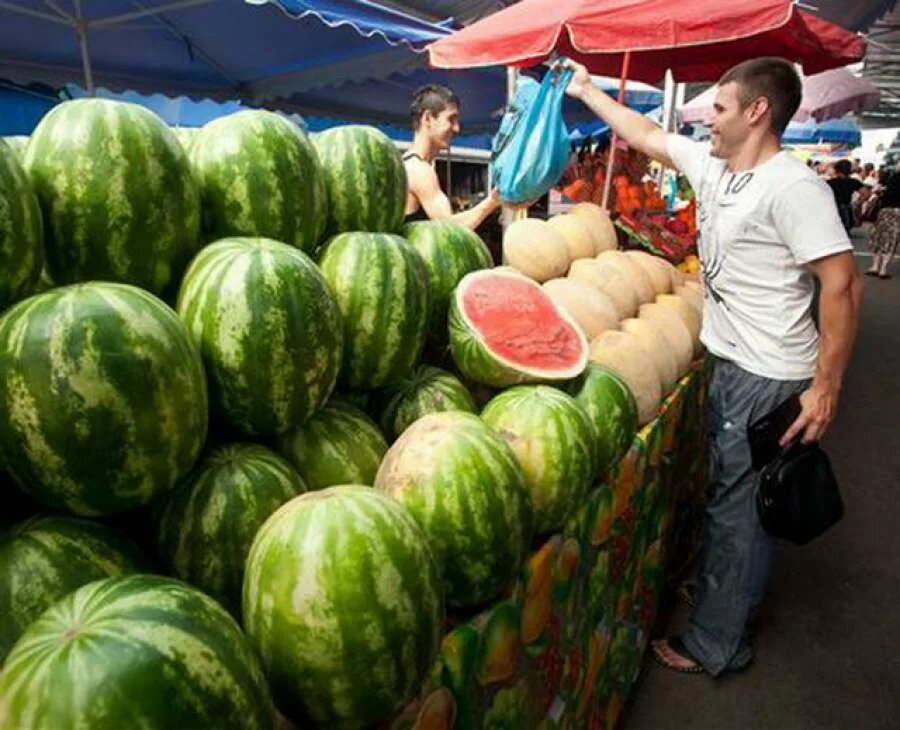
pixel 844 186
pixel 886 235
pixel 435 120
pixel 869 174
pixel 768 226
pixel 856 170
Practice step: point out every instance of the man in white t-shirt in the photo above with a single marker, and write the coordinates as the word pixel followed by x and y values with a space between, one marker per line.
pixel 767 226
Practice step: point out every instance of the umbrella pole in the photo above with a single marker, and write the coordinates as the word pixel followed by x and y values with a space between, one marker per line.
pixel 509 214
pixel 607 183
pixel 81 30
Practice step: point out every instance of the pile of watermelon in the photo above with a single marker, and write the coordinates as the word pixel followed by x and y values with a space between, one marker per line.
pixel 240 437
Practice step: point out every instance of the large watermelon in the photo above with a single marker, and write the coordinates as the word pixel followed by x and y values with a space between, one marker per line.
pixel 365 179
pixel 381 285
pixel 208 523
pixel 339 445
pixel 119 200
pixel 429 390
pixel 259 176
pixel 505 330
pixel 102 397
pixel 342 601
pixel 450 251
pixel 612 411
pixel 553 440
pixel 21 248
pixel 44 558
pixel 17 143
pixel 462 482
pixel 134 651
pixel 269 331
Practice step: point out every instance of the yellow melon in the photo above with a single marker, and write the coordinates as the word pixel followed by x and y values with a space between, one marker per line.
pixel 592 310
pixel 623 353
pixel 535 249
pixel 610 281
pixel 656 268
pixel 674 330
pixel 657 346
pixel 579 239
pixel 640 281
pixel 602 228
pixel 691 296
pixel 689 316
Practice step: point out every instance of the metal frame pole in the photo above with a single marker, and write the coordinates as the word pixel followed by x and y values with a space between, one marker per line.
pixel 81 29
pixel 611 159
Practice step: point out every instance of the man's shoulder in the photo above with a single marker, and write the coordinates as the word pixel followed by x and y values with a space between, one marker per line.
pixel 790 174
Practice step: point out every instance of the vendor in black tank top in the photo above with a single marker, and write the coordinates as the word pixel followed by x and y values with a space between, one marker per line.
pixel 435 119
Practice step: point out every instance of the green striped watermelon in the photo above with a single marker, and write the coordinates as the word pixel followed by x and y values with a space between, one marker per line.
pixel 21 249
pixel 462 483
pixel 102 397
pixel 612 411
pixel 381 285
pixel 365 179
pixel 339 445
pixel 260 176
pixel 342 601
pixel 429 390
pixel 553 440
pixel 119 200
pixel 269 331
pixel 450 251
pixel 44 558
pixel 134 651
pixel 505 330
pixel 186 135
pixel 208 523
pixel 17 143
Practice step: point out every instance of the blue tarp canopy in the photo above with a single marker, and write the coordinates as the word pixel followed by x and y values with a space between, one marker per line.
pixel 831 131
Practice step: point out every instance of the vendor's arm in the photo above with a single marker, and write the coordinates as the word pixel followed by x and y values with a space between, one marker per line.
pixel 638 131
pixel 424 185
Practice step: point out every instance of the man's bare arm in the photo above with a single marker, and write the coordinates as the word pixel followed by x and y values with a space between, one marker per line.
pixel 638 131
pixel 840 302
pixel 424 184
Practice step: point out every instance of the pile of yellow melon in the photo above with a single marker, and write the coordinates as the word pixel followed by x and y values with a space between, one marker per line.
pixel 640 315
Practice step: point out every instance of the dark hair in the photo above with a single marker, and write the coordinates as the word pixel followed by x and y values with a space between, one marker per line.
pixel 432 98
pixel 772 78
pixel 869 167
pixel 844 167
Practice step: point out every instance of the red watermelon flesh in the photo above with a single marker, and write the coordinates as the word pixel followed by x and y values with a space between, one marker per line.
pixel 520 324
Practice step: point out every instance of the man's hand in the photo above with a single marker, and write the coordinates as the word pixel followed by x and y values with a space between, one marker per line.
pixel 581 78
pixel 818 405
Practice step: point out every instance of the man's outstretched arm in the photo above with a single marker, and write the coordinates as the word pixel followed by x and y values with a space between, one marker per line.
pixel 424 184
pixel 638 131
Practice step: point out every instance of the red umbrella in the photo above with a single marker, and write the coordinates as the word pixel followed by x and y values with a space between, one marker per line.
pixel 699 40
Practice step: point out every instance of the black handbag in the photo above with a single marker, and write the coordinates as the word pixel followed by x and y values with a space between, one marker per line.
pixel 797 495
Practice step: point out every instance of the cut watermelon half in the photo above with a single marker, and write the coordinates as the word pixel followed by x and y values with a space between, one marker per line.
pixel 505 330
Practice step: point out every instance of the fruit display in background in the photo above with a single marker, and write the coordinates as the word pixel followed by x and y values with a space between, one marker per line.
pixel 450 251
pixel 623 354
pixel 505 330
pixel 612 410
pixel 553 440
pixel 134 651
pixel 610 280
pixel 46 557
pixel 269 331
pixel 429 390
pixel 463 484
pixel 104 395
pixel 380 283
pixel 657 268
pixel 674 330
pixel 338 445
pixel 600 225
pixel 259 176
pixel 536 249
pixel 342 600
pixel 118 197
pixel 657 347
pixel 21 245
pixel 591 309
pixel 365 180
pixel 580 242
pixel 207 524
pixel 633 273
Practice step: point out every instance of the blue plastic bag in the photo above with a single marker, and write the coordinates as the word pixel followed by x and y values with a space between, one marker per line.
pixel 531 149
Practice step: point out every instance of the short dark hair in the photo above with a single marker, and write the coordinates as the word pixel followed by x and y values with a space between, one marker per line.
pixel 844 167
pixel 432 98
pixel 772 78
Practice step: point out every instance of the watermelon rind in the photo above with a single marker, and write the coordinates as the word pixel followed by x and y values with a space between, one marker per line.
pixel 21 231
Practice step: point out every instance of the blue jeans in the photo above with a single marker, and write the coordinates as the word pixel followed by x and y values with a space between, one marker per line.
pixel 737 552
